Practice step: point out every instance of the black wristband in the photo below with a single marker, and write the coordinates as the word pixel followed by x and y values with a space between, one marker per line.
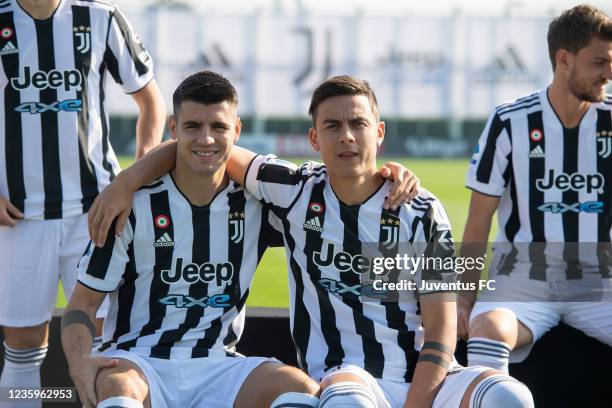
pixel 78 317
pixel 432 358
pixel 434 345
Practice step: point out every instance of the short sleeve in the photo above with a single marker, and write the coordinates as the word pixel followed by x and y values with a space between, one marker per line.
pixel 275 181
pixel 102 269
pixel 488 171
pixel 439 257
pixel 126 58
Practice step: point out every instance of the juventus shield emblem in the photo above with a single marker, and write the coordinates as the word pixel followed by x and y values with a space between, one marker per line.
pixel 604 144
pixel 236 224
pixel 82 37
pixel 390 227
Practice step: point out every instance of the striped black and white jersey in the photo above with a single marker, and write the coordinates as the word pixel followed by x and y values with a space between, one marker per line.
pixel 325 240
pixel 554 183
pixel 55 154
pixel 179 275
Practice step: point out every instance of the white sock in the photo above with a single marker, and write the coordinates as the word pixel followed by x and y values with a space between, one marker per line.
pixel 501 391
pixel 295 400
pixel 120 402
pixel 22 370
pixel 348 395
pixel 489 353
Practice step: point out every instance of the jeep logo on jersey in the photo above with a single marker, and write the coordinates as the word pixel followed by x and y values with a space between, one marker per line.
pixel 67 79
pixel 574 182
pixel 192 273
pixel 342 261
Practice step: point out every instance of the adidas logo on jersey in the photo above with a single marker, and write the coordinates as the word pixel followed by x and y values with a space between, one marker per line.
pixel 9 48
pixel 164 241
pixel 537 152
pixel 313 224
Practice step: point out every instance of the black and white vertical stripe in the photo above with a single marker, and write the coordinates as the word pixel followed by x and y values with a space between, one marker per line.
pixel 541 171
pixel 55 154
pixel 523 144
pixel 171 318
pixel 331 325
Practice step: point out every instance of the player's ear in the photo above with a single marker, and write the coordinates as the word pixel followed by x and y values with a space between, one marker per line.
pixel 381 133
pixel 563 59
pixel 172 126
pixel 237 129
pixel 313 139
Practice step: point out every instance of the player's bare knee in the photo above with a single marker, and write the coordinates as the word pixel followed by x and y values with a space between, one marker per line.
pixel 23 338
pixel 121 381
pixel 285 378
pixel 500 325
pixel 297 381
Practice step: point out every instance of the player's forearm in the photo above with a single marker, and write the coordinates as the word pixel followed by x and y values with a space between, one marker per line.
pixel 440 326
pixel 159 161
pixel 77 335
pixel 238 164
pixel 474 245
pixel 151 119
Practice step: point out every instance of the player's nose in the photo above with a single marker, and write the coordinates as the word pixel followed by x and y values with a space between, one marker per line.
pixel 205 137
pixel 346 136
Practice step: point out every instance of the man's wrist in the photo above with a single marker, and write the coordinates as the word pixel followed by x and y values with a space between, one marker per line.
pixel 128 181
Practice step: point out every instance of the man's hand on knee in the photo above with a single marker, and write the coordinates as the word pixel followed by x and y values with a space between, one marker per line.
pixel 84 372
pixel 123 380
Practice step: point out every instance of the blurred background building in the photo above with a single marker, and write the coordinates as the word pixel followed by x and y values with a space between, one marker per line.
pixel 438 67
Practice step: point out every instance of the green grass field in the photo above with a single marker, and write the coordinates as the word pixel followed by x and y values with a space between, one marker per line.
pixel 444 178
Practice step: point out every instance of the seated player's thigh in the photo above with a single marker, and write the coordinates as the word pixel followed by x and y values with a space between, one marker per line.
pixel 269 380
pixel 592 318
pixel 29 264
pixel 126 379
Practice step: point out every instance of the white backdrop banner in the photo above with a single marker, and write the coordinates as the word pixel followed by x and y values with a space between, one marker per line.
pixel 457 66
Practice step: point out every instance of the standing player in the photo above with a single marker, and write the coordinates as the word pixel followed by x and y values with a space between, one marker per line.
pixel 178 279
pixel 365 353
pixel 545 164
pixel 55 157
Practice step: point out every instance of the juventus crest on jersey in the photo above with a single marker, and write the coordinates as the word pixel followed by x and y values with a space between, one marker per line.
pixel 331 323
pixel 180 274
pixel 55 154
pixel 555 183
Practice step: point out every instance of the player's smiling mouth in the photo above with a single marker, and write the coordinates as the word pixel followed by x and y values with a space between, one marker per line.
pixel 348 155
pixel 204 154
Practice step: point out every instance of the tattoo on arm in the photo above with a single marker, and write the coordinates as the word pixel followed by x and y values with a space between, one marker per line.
pixel 434 359
pixel 78 317
pixel 434 345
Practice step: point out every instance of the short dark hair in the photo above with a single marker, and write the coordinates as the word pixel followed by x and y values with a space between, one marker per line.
pixel 342 85
pixel 205 87
pixel 575 27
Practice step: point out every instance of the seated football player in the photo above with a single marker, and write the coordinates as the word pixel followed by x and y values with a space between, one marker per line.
pixel 178 278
